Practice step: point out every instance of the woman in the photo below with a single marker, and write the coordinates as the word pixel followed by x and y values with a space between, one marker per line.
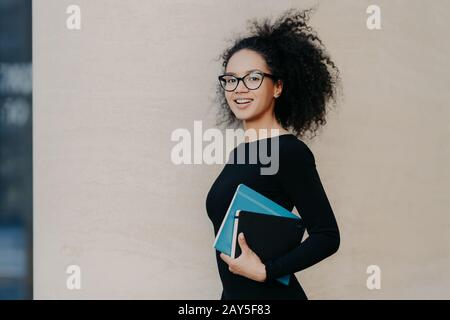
pixel 279 77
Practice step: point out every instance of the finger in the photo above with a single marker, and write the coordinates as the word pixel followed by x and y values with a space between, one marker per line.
pixel 243 242
pixel 226 258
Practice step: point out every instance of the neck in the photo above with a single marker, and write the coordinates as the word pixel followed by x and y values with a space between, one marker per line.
pixel 267 123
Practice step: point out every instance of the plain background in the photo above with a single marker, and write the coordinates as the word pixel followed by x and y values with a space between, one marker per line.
pixel 107 98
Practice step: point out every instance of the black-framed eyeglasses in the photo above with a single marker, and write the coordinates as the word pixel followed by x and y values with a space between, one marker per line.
pixel 252 80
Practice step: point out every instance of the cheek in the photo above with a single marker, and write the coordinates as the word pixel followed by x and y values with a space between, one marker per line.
pixel 268 92
pixel 264 97
pixel 228 98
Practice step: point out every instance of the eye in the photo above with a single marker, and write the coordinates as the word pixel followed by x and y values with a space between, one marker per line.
pixel 254 77
pixel 229 80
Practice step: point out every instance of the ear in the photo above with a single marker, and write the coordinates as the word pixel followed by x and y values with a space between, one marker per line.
pixel 278 88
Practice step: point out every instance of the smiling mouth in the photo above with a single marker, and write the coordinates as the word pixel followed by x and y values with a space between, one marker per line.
pixel 243 101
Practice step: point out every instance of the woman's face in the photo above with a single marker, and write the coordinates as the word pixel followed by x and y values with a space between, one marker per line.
pixel 263 101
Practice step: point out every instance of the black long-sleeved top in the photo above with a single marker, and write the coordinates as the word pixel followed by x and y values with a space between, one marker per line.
pixel 296 183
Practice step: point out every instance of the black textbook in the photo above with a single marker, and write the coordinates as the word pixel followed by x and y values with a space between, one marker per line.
pixel 267 235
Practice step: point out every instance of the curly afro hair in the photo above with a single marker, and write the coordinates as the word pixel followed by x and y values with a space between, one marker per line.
pixel 295 54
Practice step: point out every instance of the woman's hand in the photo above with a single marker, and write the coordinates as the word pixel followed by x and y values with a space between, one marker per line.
pixel 247 264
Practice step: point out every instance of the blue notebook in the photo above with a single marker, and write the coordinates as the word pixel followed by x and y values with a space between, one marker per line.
pixel 248 199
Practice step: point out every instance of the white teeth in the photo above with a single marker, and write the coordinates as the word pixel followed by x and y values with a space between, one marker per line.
pixel 243 100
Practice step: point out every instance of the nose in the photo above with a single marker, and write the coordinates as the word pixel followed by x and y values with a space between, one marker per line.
pixel 241 86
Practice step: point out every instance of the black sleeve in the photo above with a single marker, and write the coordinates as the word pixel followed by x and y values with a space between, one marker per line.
pixel 300 180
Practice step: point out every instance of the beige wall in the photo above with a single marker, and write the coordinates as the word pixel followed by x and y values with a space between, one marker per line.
pixel 108 199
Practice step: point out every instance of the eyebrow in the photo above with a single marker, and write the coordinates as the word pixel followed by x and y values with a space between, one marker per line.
pixel 234 74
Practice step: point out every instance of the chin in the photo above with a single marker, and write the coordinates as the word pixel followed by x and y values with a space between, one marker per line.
pixel 243 115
